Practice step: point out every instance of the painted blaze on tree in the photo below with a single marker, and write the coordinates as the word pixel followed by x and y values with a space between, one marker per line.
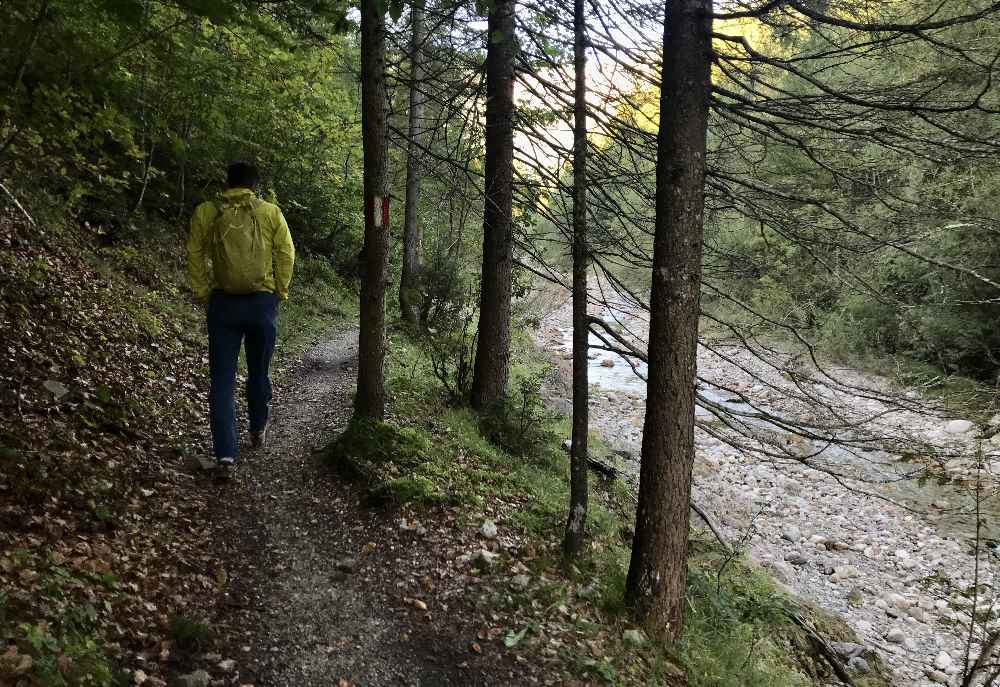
pixel 370 399
pixel 657 576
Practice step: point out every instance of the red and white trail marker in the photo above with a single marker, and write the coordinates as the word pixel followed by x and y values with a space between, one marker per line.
pixel 380 211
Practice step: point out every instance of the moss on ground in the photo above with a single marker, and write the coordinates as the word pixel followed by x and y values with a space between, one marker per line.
pixel 738 632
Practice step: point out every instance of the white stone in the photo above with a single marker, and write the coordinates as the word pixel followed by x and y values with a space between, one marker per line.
pixel 489 530
pixel 791 533
pixel 896 600
pixel 844 572
pixel 937 677
pixel 520 582
pixel 942 660
pixel 958 427
pixel 485 558
pixel 634 637
pixel 895 635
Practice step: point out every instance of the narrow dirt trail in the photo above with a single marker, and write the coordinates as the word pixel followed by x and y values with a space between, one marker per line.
pixel 318 584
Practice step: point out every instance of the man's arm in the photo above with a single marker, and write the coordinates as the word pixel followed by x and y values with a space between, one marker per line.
pixel 284 257
pixel 197 253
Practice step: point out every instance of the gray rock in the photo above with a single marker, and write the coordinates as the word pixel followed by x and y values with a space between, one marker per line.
pixel 858 665
pixel 848 650
pixel 796 558
pixel 895 635
pixel 227 666
pixel 198 678
pixel 57 389
pixel 937 676
pixel 791 533
pixel 489 530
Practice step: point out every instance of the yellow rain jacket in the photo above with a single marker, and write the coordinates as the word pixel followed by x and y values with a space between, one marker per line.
pixel 247 242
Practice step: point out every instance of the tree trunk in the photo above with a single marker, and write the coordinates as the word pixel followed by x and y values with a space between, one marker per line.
pixel 370 399
pixel 657 574
pixel 36 30
pixel 489 383
pixel 410 278
pixel 576 524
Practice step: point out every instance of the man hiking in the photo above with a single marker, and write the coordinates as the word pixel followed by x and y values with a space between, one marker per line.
pixel 250 249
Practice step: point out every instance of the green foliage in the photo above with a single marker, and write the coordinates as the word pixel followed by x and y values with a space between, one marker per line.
pixel 72 659
pixel 520 424
pixel 731 630
pixel 320 297
pixel 118 119
pixel 189 634
pixel 737 633
pixel 395 463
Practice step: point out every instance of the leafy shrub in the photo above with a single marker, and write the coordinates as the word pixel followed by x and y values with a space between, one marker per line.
pixel 72 660
pixel 189 634
pixel 521 422
pixel 452 353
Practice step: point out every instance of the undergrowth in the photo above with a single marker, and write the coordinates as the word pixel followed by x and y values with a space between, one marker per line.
pixel 436 451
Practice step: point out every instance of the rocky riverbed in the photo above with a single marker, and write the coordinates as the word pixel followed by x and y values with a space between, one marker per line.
pixel 848 526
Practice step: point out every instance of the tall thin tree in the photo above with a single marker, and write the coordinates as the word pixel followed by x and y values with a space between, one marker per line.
pixel 489 381
pixel 657 574
pixel 576 524
pixel 370 399
pixel 409 281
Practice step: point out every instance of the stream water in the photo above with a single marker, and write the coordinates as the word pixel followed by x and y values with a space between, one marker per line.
pixel 949 505
pixel 891 554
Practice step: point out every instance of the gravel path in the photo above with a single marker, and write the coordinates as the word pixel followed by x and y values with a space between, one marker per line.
pixel 901 578
pixel 320 587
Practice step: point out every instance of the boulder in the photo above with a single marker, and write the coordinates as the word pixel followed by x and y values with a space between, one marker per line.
pixel 958 427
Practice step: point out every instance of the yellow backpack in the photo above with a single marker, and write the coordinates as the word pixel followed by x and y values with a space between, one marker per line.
pixel 239 261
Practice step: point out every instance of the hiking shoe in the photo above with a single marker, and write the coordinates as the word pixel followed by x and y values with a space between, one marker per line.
pixel 259 439
pixel 199 462
pixel 224 468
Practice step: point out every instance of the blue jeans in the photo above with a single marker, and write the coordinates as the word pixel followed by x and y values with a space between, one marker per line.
pixel 232 318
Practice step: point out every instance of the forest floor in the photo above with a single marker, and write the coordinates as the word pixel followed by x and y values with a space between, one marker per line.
pixel 120 565
pixel 323 590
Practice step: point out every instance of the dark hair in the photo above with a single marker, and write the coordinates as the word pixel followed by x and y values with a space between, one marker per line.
pixel 242 175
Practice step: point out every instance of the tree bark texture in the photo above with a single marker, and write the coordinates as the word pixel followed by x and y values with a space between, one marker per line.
pixel 370 399
pixel 657 575
pixel 489 383
pixel 410 297
pixel 577 521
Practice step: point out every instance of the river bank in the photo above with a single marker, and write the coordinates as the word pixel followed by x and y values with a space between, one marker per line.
pixel 849 527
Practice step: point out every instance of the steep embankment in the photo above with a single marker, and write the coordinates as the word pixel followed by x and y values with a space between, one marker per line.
pixel 107 560
pixel 103 543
